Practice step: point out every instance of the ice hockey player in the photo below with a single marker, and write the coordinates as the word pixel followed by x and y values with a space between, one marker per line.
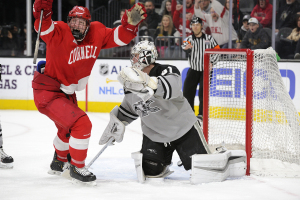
pixel 6 161
pixel 72 49
pixel 153 93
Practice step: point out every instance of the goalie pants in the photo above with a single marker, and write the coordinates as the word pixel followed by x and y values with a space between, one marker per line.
pixel 73 125
pixel 156 155
pixel 193 78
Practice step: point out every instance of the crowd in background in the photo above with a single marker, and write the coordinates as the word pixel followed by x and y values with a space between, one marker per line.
pixel 13 40
pixel 163 26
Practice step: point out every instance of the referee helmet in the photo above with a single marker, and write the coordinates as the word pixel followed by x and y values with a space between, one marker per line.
pixel 195 20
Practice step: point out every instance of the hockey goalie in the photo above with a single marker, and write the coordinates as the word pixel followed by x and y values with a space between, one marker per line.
pixel 153 93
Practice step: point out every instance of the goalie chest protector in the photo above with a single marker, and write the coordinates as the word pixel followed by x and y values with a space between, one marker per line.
pixel 163 119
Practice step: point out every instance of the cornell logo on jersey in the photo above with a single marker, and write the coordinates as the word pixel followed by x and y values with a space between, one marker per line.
pixel 144 107
pixel 104 69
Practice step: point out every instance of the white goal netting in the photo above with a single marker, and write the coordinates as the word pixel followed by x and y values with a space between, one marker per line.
pixel 275 129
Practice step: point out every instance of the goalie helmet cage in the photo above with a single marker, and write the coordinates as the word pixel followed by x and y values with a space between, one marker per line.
pixel 246 106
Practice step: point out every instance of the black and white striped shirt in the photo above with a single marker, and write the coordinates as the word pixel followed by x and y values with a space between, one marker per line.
pixel 196 54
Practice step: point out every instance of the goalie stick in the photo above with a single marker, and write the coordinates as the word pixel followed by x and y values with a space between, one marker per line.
pixel 100 152
pixel 37 43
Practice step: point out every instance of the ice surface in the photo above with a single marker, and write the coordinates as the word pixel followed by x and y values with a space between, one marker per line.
pixel 28 137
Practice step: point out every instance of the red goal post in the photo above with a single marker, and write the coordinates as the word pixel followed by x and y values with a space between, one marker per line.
pixel 246 106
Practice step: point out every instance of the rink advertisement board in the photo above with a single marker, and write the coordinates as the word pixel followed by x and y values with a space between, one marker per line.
pixel 103 88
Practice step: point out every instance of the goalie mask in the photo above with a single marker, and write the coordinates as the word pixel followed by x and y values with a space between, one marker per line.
pixel 143 54
pixel 76 18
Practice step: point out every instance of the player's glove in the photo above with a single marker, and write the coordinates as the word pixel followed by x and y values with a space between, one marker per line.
pixel 41 66
pixel 133 17
pixel 115 128
pixel 138 82
pixel 45 5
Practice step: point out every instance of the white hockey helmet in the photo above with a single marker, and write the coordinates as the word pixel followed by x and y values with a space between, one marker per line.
pixel 147 54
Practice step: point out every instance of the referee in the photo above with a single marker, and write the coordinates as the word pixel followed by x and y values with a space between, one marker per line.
pixel 194 46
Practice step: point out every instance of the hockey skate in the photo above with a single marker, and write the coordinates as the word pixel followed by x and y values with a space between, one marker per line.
pixel 57 166
pixel 160 177
pixel 138 162
pixel 6 160
pixel 82 175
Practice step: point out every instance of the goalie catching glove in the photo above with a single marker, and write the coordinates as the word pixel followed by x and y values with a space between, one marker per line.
pixel 133 17
pixel 115 128
pixel 138 82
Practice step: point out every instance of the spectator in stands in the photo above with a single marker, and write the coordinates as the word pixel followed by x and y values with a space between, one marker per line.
pixel 166 8
pixel 24 42
pixel 218 20
pixel 237 15
pixel 286 12
pixel 296 35
pixel 289 47
pixel 263 13
pixel 178 20
pixel 189 6
pixel 203 6
pixel 143 29
pixel 118 22
pixel 243 30
pixel 9 43
pixel 256 38
pixel 1 37
pixel 177 10
pixel 166 29
pixel 152 17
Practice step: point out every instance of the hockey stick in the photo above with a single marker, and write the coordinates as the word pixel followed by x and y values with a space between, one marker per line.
pixel 66 172
pixel 37 43
pixel 100 152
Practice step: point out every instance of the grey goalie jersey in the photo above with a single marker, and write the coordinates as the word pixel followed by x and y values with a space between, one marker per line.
pixel 167 115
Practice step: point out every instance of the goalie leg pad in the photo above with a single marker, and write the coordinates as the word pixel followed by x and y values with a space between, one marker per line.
pixel 208 168
pixel 166 172
pixel 237 163
pixel 138 162
pixel 217 167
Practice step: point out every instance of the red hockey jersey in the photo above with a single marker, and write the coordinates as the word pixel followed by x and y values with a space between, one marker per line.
pixel 71 62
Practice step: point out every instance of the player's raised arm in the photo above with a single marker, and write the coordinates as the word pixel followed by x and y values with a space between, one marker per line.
pixel 124 33
pixel 47 24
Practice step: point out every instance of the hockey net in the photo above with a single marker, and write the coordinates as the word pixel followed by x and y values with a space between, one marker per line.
pixel 247 106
